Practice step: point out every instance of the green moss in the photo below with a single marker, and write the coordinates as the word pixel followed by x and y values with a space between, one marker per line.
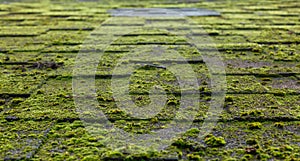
pixel 278 154
pixel 194 157
pixel 16 101
pixel 234 34
pixel 263 156
pixel 254 125
pixel 182 144
pixel 71 158
pixel 252 113
pixel 192 132
pixel 287 148
pixel 243 84
pixel 279 124
pixel 228 99
pixel 230 159
pixel 141 156
pixel 113 154
pixel 2 101
pixel 246 157
pixel 173 102
pixel 214 141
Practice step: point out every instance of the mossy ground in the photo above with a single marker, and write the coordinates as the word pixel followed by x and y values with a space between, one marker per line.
pixel 258 41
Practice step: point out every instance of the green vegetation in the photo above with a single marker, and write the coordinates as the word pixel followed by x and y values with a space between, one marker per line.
pixel 214 141
pixel 257 40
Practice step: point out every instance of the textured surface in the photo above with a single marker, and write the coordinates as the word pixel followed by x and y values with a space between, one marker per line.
pixel 258 41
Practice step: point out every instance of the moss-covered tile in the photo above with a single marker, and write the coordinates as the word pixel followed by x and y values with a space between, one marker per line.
pixel 37 106
pixel 21 139
pixel 258 41
pixel 62 37
pixel 20 83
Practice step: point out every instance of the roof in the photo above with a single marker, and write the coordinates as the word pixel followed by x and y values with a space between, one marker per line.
pixel 258 42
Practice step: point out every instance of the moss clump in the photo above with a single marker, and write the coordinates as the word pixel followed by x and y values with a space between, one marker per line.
pixel 263 156
pixel 266 79
pixel 115 111
pixel 91 158
pixel 279 125
pixel 254 113
pixel 228 99
pixel 214 141
pixel 287 148
pixel 254 125
pixel 182 144
pixel 16 101
pixel 278 154
pixel 154 120
pixel 246 157
pixel 113 154
pixel 141 154
pixel 193 132
pixel 194 157
pixel 282 152
pixel 40 92
pixel 230 159
pixel 173 102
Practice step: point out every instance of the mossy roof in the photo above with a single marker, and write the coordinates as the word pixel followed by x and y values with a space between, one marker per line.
pixel 257 40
